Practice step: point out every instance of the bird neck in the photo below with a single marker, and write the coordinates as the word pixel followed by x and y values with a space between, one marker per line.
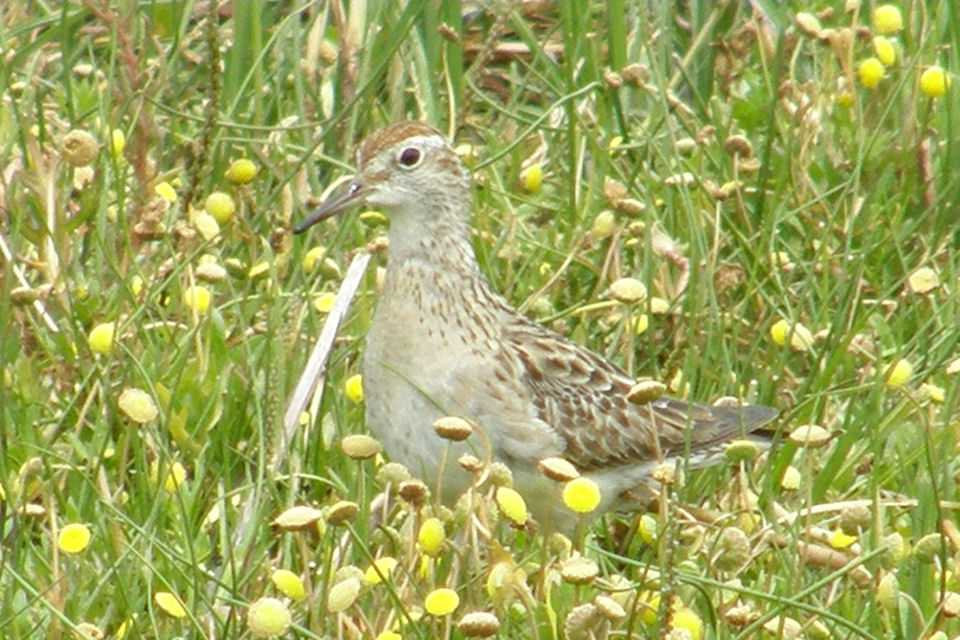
pixel 435 234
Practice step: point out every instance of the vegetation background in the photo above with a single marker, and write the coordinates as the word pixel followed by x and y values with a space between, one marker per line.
pixel 743 160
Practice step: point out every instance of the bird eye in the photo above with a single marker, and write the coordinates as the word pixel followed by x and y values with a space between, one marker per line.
pixel 409 157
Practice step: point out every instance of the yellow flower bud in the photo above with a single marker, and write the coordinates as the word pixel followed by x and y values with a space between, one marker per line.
pixel 604 224
pixel 380 569
pixel 353 387
pixel 883 47
pixel 431 536
pixel 324 302
pixel 887 19
pixel 117 142
pixel 343 594
pixel 220 205
pixel 138 405
pixel 512 505
pixel 170 604
pixel 197 297
pixel 934 81
pixel 289 584
pixel 268 618
pixel 241 171
pixel 870 72
pixel 687 619
pixel 207 225
pixel 100 338
pixel 166 191
pixel 898 373
pixel 531 178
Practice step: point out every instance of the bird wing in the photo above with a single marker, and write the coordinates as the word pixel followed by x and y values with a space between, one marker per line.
pixel 584 398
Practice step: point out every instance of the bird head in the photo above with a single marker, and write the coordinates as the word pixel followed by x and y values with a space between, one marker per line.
pixel 399 168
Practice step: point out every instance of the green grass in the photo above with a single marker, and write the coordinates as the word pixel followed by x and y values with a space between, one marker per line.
pixel 847 191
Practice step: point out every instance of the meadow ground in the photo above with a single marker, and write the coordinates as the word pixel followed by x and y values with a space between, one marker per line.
pixel 783 184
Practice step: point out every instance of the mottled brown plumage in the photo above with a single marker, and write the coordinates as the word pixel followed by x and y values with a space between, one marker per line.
pixel 443 342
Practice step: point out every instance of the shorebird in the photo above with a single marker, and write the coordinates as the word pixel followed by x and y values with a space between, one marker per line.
pixel 443 342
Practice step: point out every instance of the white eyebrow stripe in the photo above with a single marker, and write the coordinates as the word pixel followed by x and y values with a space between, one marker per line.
pixel 425 142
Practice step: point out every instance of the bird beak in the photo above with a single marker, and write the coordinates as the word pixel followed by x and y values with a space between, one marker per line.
pixel 342 198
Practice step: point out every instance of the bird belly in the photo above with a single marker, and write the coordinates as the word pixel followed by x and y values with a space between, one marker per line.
pixel 407 387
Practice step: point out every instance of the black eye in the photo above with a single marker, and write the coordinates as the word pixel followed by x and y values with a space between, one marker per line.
pixel 409 157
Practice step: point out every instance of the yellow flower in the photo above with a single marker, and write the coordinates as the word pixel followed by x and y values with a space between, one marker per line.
pixel 117 142
pixel 648 528
pixel 373 217
pixel 791 479
pixel 899 373
pixel 800 337
pixel 165 191
pixel 207 225
pixel 511 504
pixel 298 517
pixel 387 634
pixel 89 631
pixel 241 171
pixel 604 224
pixel 531 178
pixel 176 475
pixel 353 387
pixel 125 627
pixel 870 72
pixel 288 583
pixel 649 604
pixel 628 290
pixel 220 205
pixel 658 306
pixel 581 495
pixel 136 285
pixel 343 594
pixel 258 269
pixel 380 567
pixel 841 540
pixel 639 323
pixel 923 280
pixel 324 302
pixel 137 404
pixel 100 338
pixel 934 81
pixel 170 604
pixel 441 602
pixel 197 297
pixel 313 257
pixel 888 592
pixel 686 618
pixel 360 446
pixel 887 19
pixel 932 392
pixel 431 536
pixel 268 618
pixel 883 47
pixel 73 538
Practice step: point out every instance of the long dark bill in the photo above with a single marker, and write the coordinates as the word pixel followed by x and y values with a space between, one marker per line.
pixel 340 200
